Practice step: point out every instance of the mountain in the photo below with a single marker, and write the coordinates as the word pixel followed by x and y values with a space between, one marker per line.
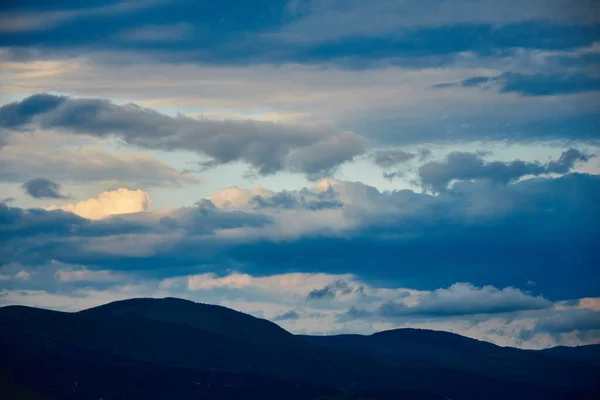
pixel 421 347
pixel 172 348
pixel 588 354
pixel 219 320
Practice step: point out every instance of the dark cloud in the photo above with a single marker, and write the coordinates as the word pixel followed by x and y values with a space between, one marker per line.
pixel 57 224
pixel 390 176
pixel 566 161
pixel 18 114
pixel 330 291
pixel 477 232
pixel 302 199
pixel 390 158
pixel 568 320
pixel 267 32
pixel 534 84
pixel 41 188
pixel 487 234
pixel 287 316
pixel 459 128
pixel 355 313
pixel 268 147
pixel 437 175
pixel 424 154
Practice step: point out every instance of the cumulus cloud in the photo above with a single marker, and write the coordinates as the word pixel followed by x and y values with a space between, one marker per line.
pixel 235 197
pixel 114 202
pixel 466 299
pixel 437 175
pixel 41 188
pixel 268 147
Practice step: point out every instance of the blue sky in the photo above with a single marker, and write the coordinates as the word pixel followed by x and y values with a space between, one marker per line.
pixel 336 166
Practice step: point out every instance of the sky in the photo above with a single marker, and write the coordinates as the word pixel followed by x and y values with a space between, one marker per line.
pixel 334 166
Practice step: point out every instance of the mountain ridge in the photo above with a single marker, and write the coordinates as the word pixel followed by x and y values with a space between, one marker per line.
pixel 179 335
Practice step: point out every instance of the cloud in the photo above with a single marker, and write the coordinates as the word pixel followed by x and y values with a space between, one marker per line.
pixel 388 102
pixel 41 19
pixel 115 202
pixel 437 175
pixel 532 85
pixel 283 298
pixel 390 158
pixel 69 158
pixel 268 147
pixel 318 31
pixel 466 299
pixel 86 275
pixel 330 291
pixel 567 321
pixel 393 175
pixel 261 198
pixel 158 33
pixel 303 199
pixel 41 188
pixel 326 21
pixel 476 232
pixel 286 316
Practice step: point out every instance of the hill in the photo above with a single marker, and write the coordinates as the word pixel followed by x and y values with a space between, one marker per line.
pixel 588 354
pixel 172 348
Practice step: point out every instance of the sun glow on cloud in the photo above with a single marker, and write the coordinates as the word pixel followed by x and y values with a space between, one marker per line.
pixel 115 202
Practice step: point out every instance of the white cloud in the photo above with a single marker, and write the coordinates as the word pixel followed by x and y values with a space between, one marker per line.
pixel 23 275
pixel 86 275
pixel 238 198
pixel 115 202
pixel 276 295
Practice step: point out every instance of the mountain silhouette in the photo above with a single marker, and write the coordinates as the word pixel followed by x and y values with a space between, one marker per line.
pixel 173 348
pixel 588 354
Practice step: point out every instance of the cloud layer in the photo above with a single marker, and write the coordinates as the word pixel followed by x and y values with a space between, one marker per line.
pixel 268 147
pixel 475 232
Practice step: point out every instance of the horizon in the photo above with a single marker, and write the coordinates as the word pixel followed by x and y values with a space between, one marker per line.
pixel 331 166
pixel 274 322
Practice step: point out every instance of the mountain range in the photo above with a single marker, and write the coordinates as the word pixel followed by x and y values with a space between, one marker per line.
pixel 177 349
